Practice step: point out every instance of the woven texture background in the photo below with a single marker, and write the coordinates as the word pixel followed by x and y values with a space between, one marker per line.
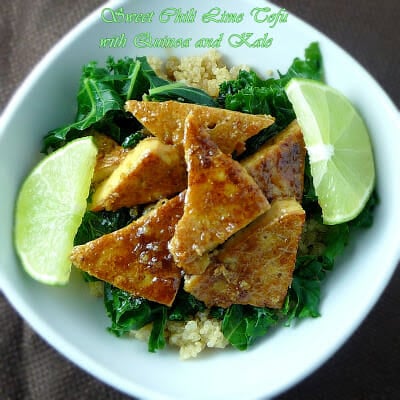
pixel 367 366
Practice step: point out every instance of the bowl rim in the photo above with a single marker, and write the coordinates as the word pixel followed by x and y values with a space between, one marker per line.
pixel 66 348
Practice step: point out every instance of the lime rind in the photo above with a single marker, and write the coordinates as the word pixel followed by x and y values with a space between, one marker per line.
pixel 339 148
pixel 50 208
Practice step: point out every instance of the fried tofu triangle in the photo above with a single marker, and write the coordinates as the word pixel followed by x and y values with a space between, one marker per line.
pixel 150 171
pixel 278 166
pixel 109 156
pixel 221 199
pixel 256 265
pixel 136 258
pixel 228 129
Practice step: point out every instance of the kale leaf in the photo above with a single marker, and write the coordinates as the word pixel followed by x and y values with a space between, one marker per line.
pixel 128 77
pixel 103 92
pixel 185 306
pixel 251 94
pixel 157 336
pixel 162 89
pixel 128 313
pixel 96 224
pixel 100 102
pixel 242 325
pixel 366 218
pixel 268 97
pixel 125 79
pixel 125 311
pixel 133 139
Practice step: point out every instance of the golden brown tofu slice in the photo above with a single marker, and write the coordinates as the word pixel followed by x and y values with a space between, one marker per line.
pixel 256 265
pixel 109 156
pixel 136 258
pixel 229 129
pixel 150 171
pixel 221 199
pixel 278 166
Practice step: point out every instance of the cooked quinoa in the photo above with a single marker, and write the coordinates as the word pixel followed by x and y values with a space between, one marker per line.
pixel 205 72
pixel 191 336
pixel 310 243
pixel 202 332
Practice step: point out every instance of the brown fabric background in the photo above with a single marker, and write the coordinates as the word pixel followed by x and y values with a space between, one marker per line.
pixel 367 367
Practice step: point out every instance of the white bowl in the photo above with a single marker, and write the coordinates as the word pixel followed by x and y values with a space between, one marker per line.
pixel 75 323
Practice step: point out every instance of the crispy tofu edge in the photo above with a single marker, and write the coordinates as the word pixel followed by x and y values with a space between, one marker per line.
pixel 85 257
pixel 193 257
pixel 239 126
pixel 219 273
pixel 291 180
pixel 144 167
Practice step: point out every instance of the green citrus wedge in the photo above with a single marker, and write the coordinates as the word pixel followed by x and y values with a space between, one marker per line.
pixel 50 208
pixel 338 146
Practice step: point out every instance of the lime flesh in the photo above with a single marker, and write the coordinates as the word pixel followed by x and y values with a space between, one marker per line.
pixel 339 148
pixel 50 208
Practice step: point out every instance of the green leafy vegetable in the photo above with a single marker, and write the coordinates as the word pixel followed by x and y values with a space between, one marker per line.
pixel 157 337
pixel 310 199
pixel 242 325
pixel 304 295
pixel 185 306
pixel 337 238
pixel 126 312
pixel 95 99
pixel 180 92
pixel 133 139
pixel 303 298
pixel 162 90
pixel 311 67
pixel 366 218
pixel 251 94
pixel 96 224
pixel 131 313
pixel 100 101
pixel 128 78
pixel 152 78
pixel 307 293
pixel 104 91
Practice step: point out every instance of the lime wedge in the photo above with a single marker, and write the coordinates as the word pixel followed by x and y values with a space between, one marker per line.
pixel 49 210
pixel 339 148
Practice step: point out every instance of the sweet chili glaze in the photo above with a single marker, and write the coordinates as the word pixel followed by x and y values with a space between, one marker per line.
pixel 228 129
pixel 136 258
pixel 255 265
pixel 220 200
